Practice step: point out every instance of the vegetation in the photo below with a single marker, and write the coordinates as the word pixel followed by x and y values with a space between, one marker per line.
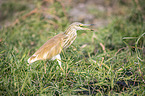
pixel 107 61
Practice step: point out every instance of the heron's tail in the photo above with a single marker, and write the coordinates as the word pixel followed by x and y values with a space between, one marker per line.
pixel 32 59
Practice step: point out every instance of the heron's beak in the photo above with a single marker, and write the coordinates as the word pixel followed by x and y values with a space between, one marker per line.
pixel 87 25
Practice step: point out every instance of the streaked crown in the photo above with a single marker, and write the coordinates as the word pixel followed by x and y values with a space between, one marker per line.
pixel 79 26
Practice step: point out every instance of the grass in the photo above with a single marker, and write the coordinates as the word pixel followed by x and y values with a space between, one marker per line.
pixel 89 69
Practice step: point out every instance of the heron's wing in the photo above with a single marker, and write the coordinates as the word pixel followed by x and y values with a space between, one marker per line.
pixel 51 48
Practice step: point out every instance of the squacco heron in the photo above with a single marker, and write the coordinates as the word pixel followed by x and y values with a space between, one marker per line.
pixel 53 47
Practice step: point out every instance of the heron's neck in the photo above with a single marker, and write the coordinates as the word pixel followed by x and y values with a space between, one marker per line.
pixel 70 31
pixel 71 35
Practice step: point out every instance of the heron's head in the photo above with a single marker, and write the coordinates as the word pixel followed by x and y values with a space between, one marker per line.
pixel 80 26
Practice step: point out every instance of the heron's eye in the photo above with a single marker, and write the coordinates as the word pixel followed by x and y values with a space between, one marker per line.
pixel 81 25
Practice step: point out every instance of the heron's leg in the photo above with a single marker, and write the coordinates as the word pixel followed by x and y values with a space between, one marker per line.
pixel 58 58
pixel 45 67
